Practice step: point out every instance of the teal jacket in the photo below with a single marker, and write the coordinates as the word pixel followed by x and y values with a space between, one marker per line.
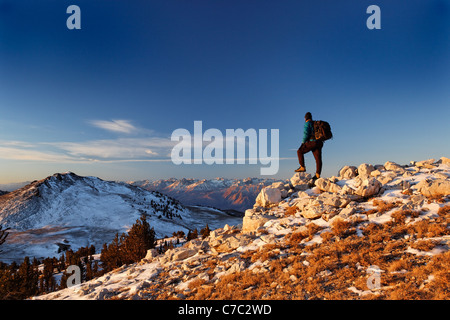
pixel 308 132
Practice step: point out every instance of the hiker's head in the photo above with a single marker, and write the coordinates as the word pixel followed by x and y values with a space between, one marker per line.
pixel 308 116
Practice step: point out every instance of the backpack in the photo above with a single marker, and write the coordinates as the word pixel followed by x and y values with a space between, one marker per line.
pixel 322 130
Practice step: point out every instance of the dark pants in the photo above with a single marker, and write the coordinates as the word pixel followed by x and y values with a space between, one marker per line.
pixel 316 148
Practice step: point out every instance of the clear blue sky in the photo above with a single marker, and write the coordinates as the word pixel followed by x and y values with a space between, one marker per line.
pixel 105 99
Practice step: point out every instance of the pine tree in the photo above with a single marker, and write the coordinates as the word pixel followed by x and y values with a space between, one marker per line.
pixel 140 238
pixel 205 232
pixel 62 262
pixel 27 276
pixel 110 256
pixel 129 248
pixel 192 235
pixel 47 283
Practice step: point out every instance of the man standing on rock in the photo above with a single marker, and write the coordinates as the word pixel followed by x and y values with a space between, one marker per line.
pixel 309 143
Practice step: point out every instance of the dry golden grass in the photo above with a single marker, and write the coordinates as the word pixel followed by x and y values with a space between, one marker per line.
pixel 296 237
pixel 290 211
pixel 382 206
pixel 424 245
pixel 342 228
pixel 294 270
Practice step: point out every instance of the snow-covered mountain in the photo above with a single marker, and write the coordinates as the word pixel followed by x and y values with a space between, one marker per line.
pixel 69 210
pixel 225 194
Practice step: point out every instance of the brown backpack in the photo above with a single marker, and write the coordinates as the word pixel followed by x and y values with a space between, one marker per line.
pixel 322 130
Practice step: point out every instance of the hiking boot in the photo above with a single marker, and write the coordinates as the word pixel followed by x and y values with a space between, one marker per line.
pixel 314 178
pixel 300 169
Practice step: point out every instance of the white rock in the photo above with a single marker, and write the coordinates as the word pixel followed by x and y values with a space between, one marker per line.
pixel 268 196
pixel 236 267
pixel 334 200
pixel 434 188
pixel 213 234
pixel 151 254
pixel 278 185
pixel 386 177
pixel 326 185
pixel 445 160
pixel 425 163
pixel 418 199
pixel 316 211
pixel 347 172
pixel 252 222
pixel 368 187
pixel 300 178
pixel 347 212
pixel 181 254
pixel 329 215
pixel 375 173
pixel 303 203
pixel 392 166
pixel 365 169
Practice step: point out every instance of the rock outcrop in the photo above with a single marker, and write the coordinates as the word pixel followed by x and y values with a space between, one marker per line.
pixel 253 220
pixel 328 197
pixel 268 196
pixel 434 188
pixel 368 187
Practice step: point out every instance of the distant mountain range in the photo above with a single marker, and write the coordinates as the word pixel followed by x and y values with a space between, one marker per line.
pixel 221 193
pixel 7 187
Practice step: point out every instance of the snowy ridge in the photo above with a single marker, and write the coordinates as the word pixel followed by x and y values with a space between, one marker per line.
pixel 291 224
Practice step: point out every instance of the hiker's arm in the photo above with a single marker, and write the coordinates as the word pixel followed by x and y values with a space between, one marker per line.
pixel 306 132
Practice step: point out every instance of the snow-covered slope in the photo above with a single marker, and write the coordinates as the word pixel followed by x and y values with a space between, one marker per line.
pixel 67 209
pixel 225 194
pixel 370 216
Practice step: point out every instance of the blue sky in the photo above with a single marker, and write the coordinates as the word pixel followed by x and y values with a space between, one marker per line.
pixel 104 100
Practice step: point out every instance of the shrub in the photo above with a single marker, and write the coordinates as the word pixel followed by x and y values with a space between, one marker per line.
pixel 290 211
pixel 342 228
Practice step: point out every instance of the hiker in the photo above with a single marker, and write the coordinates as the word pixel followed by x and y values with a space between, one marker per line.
pixel 309 143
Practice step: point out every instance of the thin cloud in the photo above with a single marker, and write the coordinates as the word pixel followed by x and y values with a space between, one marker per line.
pixel 35 155
pixel 112 150
pixel 121 126
pixel 137 148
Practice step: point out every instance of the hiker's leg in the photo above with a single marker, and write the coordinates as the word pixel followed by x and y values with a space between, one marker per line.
pixel 317 152
pixel 304 148
pixel 301 157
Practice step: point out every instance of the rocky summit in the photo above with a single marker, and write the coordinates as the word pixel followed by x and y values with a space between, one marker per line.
pixel 371 232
